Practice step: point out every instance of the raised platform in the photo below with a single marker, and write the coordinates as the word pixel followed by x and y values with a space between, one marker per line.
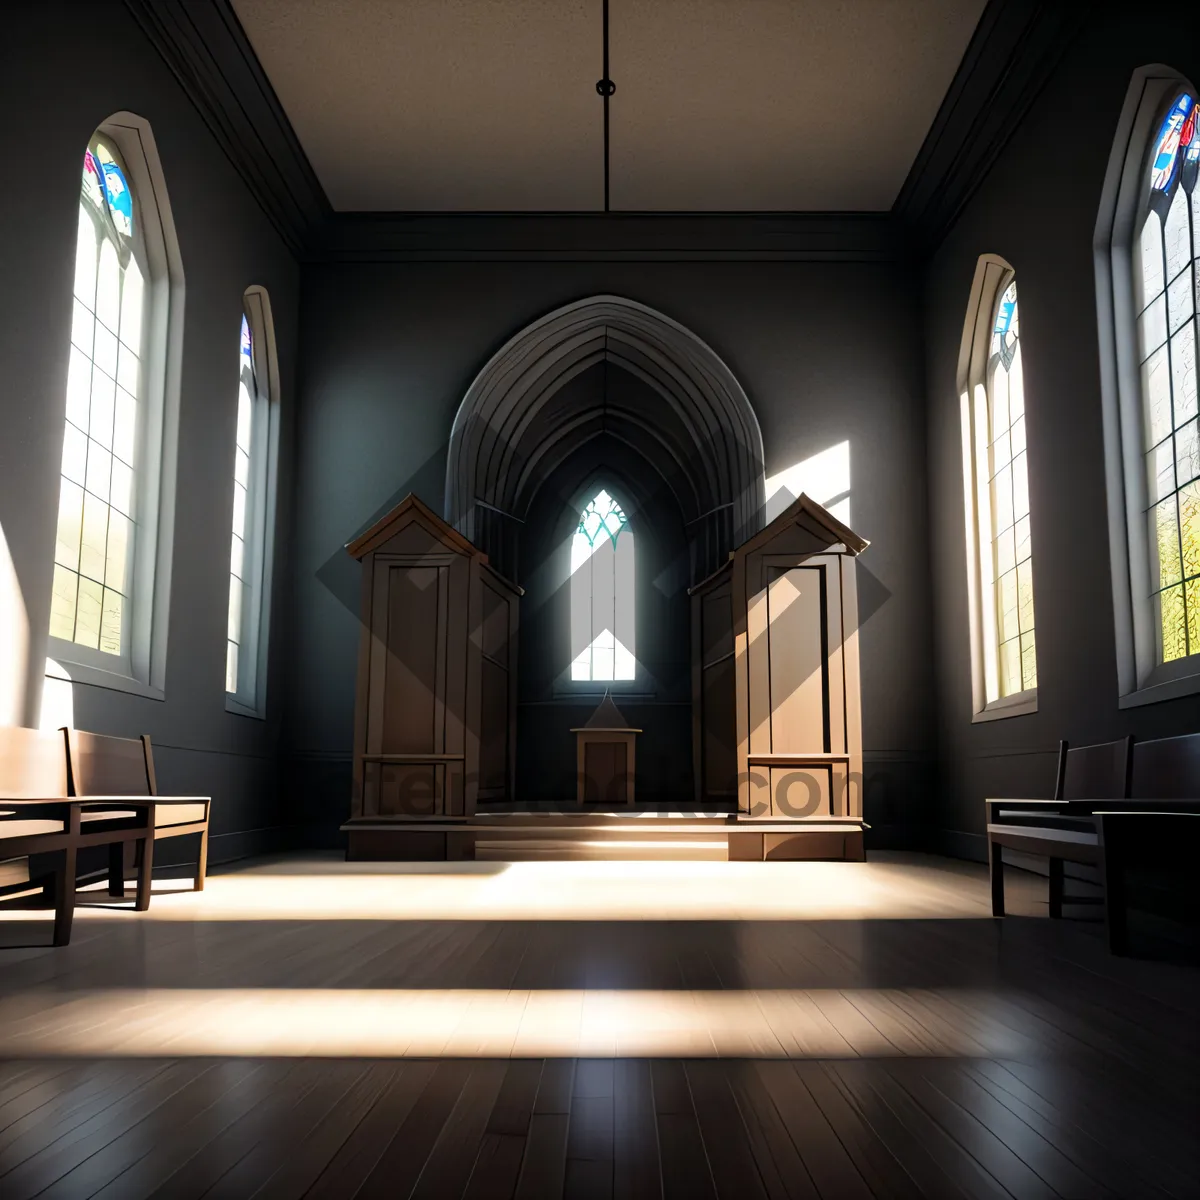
pixel 644 835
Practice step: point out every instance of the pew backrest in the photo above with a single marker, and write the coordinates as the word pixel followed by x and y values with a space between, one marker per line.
pixel 33 763
pixel 110 766
pixel 1097 772
pixel 1167 768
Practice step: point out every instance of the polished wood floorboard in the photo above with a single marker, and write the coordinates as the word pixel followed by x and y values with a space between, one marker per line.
pixel 814 1045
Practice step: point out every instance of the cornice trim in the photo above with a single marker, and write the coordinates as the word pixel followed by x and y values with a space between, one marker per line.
pixel 610 237
pixel 1012 54
pixel 206 48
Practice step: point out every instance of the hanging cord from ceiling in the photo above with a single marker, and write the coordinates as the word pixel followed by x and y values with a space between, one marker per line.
pixel 605 89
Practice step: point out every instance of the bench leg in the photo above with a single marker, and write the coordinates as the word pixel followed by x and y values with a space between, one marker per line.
pixel 996 876
pixel 1116 908
pixel 1056 887
pixel 145 867
pixel 64 897
pixel 202 861
pixel 116 869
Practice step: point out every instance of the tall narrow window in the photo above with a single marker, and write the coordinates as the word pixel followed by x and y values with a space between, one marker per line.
pixel 111 586
pixel 98 511
pixel 1165 302
pixel 602 593
pixel 997 493
pixel 250 544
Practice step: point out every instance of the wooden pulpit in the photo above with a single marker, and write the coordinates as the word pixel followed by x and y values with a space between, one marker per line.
pixel 605 757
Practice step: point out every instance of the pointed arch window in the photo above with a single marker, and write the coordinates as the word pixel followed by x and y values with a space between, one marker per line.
pixel 111 566
pixel 251 541
pixel 1146 247
pixel 996 479
pixel 602 593
pixel 1165 301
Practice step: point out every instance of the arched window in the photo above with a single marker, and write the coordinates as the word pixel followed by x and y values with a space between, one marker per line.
pixel 996 478
pixel 111 574
pixel 253 505
pixel 1147 240
pixel 602 593
pixel 1165 301
pixel 95 547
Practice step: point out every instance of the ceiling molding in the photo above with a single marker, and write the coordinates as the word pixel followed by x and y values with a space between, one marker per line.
pixel 610 237
pixel 203 43
pixel 1010 57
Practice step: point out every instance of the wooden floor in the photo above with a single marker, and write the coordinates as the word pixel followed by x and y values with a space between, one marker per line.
pixel 311 1028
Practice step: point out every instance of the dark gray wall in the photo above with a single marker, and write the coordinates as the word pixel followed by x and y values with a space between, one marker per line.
pixel 826 351
pixel 1037 208
pixel 67 67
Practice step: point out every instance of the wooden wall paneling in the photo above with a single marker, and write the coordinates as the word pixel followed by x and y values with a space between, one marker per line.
pixel 714 719
pixel 853 806
pixel 366 641
pixel 497 689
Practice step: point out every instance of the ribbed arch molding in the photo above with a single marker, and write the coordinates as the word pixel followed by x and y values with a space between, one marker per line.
pixel 511 431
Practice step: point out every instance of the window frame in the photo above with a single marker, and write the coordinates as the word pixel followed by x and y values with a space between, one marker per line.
pixel 1141 678
pixel 142 671
pixel 993 275
pixel 250 698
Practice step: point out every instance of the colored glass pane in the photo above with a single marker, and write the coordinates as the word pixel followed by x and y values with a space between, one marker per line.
pixel 1165 154
pixel 116 191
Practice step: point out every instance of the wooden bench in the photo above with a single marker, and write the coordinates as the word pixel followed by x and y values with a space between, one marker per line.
pixel 121 770
pixel 41 822
pixel 1061 830
pixel 1143 796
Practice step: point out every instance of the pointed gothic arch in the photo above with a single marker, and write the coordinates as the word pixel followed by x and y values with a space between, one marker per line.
pixel 508 434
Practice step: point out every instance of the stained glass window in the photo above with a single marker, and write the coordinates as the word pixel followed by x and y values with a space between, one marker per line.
pixel 97 510
pixel 602 593
pixel 1004 466
pixel 1165 283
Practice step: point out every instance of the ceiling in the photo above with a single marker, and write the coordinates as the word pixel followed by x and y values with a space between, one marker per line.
pixel 720 105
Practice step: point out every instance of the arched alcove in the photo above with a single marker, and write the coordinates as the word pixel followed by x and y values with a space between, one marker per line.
pixel 538 400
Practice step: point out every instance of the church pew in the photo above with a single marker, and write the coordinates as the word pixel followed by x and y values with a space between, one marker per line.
pixel 115 767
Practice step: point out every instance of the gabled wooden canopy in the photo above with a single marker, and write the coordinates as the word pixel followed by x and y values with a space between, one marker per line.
pixel 814 518
pixel 411 510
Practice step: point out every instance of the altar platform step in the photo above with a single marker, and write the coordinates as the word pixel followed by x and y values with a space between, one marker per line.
pixel 612 835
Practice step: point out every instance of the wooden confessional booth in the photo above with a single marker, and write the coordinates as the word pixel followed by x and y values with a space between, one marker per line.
pixel 775 689
pixel 435 711
pixel 777 741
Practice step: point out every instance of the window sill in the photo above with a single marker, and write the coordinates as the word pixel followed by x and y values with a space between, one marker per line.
pixel 1019 705
pixel 1167 689
pixel 239 709
pixel 115 681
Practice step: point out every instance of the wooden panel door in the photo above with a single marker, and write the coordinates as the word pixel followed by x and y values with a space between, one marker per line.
pixel 407 708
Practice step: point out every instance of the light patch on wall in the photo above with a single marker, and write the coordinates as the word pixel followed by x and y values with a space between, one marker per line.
pixel 823 477
pixel 14 640
pixel 58 698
